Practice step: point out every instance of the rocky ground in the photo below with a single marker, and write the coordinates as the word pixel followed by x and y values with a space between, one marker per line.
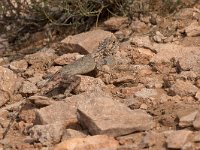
pixel 149 100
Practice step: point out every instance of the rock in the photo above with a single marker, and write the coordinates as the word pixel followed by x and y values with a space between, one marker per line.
pixel 4 97
pixel 85 43
pixel 103 115
pixel 28 88
pixel 146 93
pixel 130 141
pixel 19 66
pixel 153 139
pixel 9 81
pixel 47 134
pixel 188 57
pixel 187 120
pixel 159 37
pixel 35 79
pixel 41 101
pixel 196 122
pixel 177 139
pixel 115 23
pixel 67 58
pixel 184 88
pixel 188 146
pixel 41 59
pixel 89 143
pixel 139 27
pixel 88 84
pixel 71 133
pixel 197 96
pixel 59 111
pixel 193 29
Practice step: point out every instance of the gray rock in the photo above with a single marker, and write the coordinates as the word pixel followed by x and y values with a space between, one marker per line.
pixel 103 115
pixel 71 133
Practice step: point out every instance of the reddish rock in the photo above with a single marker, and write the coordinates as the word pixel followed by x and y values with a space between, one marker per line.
pixel 85 43
pixel 187 119
pixel 89 143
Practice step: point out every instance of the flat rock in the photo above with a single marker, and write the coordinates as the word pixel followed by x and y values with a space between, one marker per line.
pixel 184 88
pixel 98 142
pixel 177 139
pixel 60 111
pixel 86 42
pixel 47 134
pixel 103 115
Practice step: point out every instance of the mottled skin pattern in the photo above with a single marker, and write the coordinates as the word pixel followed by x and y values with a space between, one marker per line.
pixel 66 77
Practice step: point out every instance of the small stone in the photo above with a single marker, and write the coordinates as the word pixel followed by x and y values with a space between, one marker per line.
pixel 47 134
pixel 146 93
pixel 19 66
pixel 188 146
pixel 143 106
pixel 28 88
pixel 98 142
pixel 177 139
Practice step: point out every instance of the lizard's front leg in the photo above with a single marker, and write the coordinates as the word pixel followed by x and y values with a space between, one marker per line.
pixel 62 87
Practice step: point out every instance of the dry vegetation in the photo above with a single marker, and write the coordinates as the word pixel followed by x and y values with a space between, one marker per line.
pixel 19 17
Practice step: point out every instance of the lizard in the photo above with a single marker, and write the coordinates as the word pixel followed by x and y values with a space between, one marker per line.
pixel 66 78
